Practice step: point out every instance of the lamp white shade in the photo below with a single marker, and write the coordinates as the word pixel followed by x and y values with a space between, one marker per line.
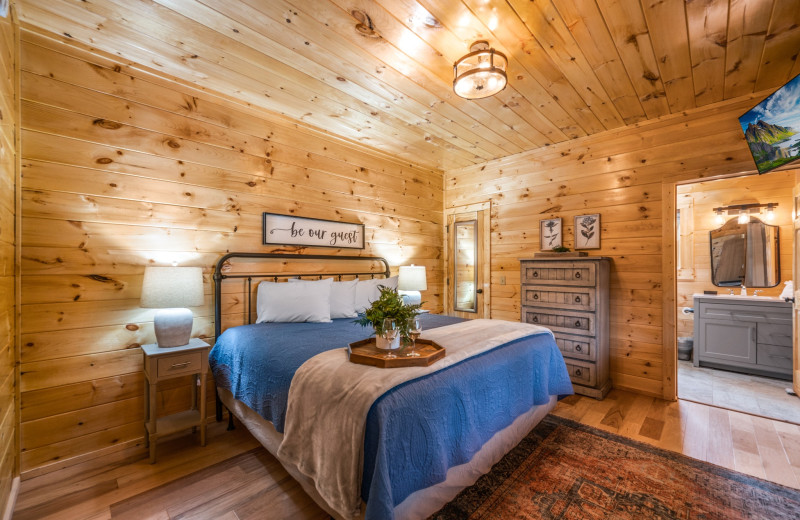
pixel 412 278
pixel 171 287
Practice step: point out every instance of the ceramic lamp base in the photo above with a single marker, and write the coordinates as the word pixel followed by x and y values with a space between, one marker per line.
pixel 411 297
pixel 173 327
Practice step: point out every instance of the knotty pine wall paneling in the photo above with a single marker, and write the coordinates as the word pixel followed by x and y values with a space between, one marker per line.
pixel 620 174
pixel 9 186
pixel 704 197
pixel 122 169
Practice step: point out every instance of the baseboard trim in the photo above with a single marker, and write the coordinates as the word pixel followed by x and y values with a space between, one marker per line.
pixel 12 499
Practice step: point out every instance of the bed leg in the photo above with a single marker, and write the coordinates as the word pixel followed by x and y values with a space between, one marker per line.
pixel 230 421
pixel 219 405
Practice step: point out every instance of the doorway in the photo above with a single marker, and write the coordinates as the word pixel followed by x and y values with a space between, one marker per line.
pixel 733 253
pixel 468 260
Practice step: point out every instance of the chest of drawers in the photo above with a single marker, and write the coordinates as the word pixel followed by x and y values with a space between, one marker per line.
pixel 570 297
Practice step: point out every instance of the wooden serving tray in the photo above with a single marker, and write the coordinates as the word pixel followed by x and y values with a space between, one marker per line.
pixel 365 352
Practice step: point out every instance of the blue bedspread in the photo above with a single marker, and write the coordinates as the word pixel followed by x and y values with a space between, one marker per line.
pixel 257 362
pixel 417 430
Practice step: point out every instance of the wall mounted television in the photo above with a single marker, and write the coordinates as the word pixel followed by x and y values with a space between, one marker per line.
pixel 772 128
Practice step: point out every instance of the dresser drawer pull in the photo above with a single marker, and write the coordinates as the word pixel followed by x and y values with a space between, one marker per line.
pixel 577 371
pixel 578 275
pixel 536 319
pixel 535 296
pixel 577 299
pixel 577 323
pixel 536 274
pixel 578 348
pixel 180 365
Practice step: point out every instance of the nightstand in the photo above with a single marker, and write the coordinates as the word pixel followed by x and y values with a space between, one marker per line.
pixel 161 364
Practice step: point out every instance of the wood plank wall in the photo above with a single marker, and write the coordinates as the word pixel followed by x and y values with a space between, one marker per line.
pixel 619 174
pixel 123 169
pixel 703 197
pixel 9 180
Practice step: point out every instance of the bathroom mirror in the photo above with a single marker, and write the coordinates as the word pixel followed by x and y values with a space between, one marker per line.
pixel 745 254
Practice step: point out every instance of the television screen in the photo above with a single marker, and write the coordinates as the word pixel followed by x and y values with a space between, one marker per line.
pixel 772 128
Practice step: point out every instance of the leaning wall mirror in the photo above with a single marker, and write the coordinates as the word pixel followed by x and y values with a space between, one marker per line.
pixel 745 254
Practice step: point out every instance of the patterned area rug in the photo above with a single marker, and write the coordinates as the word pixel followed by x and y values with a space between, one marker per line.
pixel 566 470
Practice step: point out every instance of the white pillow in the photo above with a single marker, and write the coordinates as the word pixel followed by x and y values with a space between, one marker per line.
pixel 367 291
pixel 343 298
pixel 290 302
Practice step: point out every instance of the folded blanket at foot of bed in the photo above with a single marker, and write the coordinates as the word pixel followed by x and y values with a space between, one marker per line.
pixel 421 420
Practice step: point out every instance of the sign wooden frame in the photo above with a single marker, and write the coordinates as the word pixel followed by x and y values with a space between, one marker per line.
pixel 288 230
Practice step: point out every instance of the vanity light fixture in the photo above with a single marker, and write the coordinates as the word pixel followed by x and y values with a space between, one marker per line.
pixel 744 211
pixel 480 73
pixel 718 218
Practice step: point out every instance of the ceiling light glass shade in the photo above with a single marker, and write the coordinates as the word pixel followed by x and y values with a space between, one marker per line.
pixel 481 73
pixel 744 218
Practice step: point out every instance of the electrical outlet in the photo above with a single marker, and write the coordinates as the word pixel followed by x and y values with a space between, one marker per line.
pixel 502 280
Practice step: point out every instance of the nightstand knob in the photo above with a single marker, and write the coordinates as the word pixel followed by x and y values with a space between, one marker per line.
pixel 577 371
pixel 535 319
pixel 577 323
pixel 536 274
pixel 578 275
pixel 578 348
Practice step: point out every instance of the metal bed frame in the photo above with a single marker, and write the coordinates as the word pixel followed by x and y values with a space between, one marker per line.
pixel 219 276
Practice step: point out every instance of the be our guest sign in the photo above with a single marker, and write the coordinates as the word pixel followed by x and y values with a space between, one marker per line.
pixel 301 231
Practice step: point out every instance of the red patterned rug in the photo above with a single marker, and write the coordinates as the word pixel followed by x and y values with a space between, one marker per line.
pixel 566 470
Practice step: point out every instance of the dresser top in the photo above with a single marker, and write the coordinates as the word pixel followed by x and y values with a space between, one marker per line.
pixel 566 259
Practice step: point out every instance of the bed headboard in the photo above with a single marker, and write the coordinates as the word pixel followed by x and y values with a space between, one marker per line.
pixel 361 266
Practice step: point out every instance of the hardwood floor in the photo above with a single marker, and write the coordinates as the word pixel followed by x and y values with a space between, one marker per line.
pixel 234 478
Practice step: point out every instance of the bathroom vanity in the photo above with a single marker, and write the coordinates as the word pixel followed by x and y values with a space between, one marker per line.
pixel 750 334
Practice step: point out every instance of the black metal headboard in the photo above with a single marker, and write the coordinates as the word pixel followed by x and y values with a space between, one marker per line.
pixel 219 275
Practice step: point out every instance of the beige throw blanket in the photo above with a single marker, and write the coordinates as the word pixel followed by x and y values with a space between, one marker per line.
pixel 330 397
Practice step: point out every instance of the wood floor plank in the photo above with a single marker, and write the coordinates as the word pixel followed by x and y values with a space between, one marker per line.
pixel 747 458
pixel 720 447
pixel 696 432
pixel 774 458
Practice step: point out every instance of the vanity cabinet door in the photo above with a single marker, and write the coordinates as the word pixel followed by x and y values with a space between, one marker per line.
pixel 729 341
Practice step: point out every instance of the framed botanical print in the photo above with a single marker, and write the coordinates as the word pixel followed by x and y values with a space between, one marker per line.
pixel 587 231
pixel 549 234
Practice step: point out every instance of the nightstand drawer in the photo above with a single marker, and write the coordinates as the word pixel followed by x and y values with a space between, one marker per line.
pixel 180 364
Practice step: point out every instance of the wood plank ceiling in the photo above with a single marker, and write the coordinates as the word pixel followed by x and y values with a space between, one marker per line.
pixel 380 72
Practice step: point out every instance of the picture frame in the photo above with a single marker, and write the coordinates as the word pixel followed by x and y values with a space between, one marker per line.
pixel 587 231
pixel 289 230
pixel 550 236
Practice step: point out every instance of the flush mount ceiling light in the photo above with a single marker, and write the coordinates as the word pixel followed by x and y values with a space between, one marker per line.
pixel 481 73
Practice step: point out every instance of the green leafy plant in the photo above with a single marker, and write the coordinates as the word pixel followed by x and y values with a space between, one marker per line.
pixel 560 249
pixel 389 305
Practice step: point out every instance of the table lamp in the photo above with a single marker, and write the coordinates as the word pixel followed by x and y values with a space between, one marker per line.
pixel 171 290
pixel 411 281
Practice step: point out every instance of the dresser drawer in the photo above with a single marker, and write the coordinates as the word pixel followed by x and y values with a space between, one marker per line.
pixel 775 334
pixel 776 356
pixel 581 373
pixel 575 298
pixel 559 273
pixel 577 347
pixel 561 321
pixel 175 365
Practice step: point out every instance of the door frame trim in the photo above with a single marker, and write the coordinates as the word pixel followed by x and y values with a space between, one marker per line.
pixel 484 229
